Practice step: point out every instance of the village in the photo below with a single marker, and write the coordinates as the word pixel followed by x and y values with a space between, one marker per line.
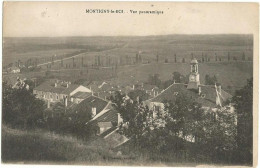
pixel 129 84
pixel 95 98
pixel 123 102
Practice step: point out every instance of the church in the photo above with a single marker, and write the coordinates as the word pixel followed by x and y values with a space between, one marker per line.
pixel 211 97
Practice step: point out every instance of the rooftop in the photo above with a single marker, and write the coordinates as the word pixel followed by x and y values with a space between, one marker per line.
pixel 81 95
pixel 92 101
pixel 109 116
pixel 60 88
pixel 207 97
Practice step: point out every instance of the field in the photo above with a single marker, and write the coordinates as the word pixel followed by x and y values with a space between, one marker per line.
pixel 121 52
pixel 231 75
pixel 149 47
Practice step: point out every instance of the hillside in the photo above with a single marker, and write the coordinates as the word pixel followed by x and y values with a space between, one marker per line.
pixel 43 48
pixel 30 146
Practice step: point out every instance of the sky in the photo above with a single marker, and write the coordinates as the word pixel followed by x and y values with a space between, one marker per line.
pixel 51 19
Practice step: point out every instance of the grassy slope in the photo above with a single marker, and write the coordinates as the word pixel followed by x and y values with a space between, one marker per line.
pixel 38 146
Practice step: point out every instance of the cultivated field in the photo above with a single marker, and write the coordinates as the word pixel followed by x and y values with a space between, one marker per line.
pixel 231 73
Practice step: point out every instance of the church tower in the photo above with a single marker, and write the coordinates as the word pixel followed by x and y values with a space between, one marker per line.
pixel 194 78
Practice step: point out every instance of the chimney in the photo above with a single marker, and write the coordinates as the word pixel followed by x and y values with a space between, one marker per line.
pixel 66 102
pixel 153 93
pixel 55 84
pixel 93 111
pixel 119 119
pixel 133 87
pixel 142 85
pixel 218 93
pixel 67 85
pixel 48 104
pixel 219 88
pixel 199 90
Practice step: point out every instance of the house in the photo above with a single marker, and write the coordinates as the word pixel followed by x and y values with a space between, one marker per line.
pixel 150 89
pixel 79 96
pixel 13 69
pixel 138 95
pixel 20 83
pixel 55 91
pixel 209 96
pixel 101 111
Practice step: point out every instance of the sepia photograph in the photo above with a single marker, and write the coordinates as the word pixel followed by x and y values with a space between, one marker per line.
pixel 130 84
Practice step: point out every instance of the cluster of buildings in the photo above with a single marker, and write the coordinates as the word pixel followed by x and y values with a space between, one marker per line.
pixel 12 69
pixel 94 97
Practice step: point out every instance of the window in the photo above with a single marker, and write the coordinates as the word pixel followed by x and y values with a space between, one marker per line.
pixel 156 108
pixel 57 97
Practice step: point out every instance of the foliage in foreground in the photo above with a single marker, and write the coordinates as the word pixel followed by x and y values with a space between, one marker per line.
pixel 182 127
pixel 21 109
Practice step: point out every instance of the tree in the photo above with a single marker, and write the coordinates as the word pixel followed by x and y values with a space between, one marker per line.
pixel 61 62
pixel 183 116
pixel 213 133
pixel 243 103
pixel 73 64
pixel 154 80
pixel 21 109
pixel 243 56
pixel 210 80
pixel 98 61
pixel 219 136
pixel 202 58
pixel 52 60
pixel 176 76
pixel 134 115
pixel 140 58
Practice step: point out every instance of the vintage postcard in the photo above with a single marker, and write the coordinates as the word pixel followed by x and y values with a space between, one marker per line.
pixel 130 83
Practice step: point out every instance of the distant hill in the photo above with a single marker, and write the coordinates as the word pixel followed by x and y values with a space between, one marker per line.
pixel 24 48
